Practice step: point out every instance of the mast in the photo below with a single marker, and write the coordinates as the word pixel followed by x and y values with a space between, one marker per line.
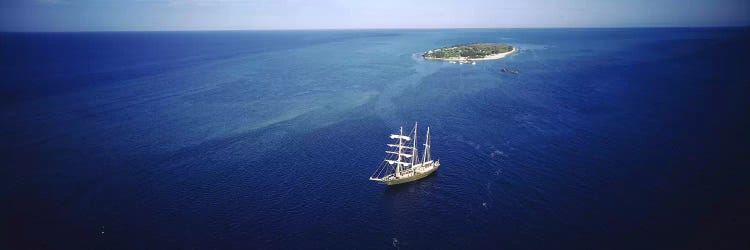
pixel 400 164
pixel 400 148
pixel 400 152
pixel 415 152
pixel 426 156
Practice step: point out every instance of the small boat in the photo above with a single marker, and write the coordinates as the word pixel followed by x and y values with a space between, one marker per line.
pixel 402 163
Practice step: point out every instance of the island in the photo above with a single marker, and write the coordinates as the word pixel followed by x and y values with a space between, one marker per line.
pixel 468 53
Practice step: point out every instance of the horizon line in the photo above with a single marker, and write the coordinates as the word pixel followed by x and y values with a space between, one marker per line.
pixel 363 29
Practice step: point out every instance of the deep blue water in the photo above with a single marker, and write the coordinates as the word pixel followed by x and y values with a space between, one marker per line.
pixel 607 139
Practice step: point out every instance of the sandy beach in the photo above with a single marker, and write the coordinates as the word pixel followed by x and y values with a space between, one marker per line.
pixel 497 56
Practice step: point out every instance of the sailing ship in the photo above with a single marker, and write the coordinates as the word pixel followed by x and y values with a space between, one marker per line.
pixel 402 163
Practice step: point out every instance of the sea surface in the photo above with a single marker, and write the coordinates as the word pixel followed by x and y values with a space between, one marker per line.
pixel 606 139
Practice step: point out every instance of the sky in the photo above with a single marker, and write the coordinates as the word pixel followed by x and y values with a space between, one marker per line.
pixel 153 15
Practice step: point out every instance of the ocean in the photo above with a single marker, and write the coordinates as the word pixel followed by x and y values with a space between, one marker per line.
pixel 627 138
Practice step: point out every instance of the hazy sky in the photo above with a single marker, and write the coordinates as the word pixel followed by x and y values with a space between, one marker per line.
pixel 98 15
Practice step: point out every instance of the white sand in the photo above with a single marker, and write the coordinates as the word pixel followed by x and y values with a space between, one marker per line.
pixel 498 56
pixel 490 57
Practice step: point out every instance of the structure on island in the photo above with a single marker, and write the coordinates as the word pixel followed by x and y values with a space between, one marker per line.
pixel 468 53
pixel 402 164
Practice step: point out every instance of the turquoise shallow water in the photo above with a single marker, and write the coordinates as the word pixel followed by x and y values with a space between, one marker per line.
pixel 608 138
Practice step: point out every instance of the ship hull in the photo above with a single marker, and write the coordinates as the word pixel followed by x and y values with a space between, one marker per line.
pixel 411 178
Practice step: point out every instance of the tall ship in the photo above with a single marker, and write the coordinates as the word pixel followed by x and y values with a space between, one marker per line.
pixel 402 163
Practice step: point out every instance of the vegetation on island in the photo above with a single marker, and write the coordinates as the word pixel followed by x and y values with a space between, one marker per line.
pixel 470 51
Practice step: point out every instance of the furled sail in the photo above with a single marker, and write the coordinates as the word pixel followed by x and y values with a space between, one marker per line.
pixel 396 153
pixel 398 162
pixel 405 138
